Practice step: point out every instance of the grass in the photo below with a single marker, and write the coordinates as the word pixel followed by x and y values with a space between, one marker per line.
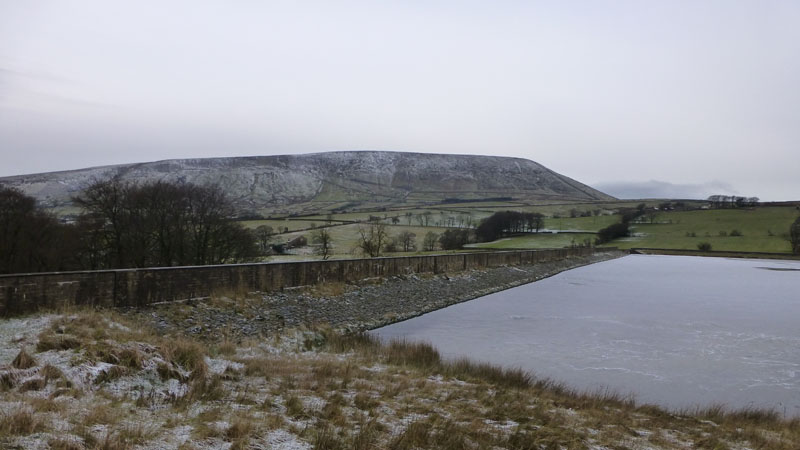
pixel 353 392
pixel 762 230
pixel 23 360
pixel 19 422
pixel 345 237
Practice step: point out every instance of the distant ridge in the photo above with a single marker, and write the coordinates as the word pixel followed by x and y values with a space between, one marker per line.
pixel 296 184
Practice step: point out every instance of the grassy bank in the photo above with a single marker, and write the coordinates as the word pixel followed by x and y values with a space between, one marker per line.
pixel 98 380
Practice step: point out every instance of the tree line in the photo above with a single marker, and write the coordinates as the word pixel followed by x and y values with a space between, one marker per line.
pixel 124 225
pixel 503 223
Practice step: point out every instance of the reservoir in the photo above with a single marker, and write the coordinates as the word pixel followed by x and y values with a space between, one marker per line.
pixel 676 331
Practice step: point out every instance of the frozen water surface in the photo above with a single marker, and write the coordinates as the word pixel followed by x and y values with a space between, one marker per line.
pixel 672 330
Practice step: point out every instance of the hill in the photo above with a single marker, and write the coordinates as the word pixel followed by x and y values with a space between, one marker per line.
pixel 333 181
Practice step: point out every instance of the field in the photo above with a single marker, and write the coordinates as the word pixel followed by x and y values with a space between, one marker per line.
pixel 762 229
pixel 540 240
pixel 345 237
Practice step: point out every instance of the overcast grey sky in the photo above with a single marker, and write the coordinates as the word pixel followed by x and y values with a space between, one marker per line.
pixel 701 96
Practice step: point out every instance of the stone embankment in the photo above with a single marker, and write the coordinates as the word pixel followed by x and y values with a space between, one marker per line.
pixel 360 306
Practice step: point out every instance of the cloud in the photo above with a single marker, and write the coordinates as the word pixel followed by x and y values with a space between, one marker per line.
pixel 664 189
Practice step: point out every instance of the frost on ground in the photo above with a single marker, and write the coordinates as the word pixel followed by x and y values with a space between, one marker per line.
pixel 100 380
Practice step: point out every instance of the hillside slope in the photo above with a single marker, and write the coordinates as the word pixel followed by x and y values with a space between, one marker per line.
pixel 295 183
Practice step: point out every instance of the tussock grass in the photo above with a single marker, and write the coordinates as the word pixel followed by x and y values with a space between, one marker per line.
pixel 167 371
pixel 294 407
pixel 65 444
pixel 23 361
pixel 51 372
pixel 360 393
pixel 8 381
pixel 19 422
pixel 57 342
pixel 422 355
pixel 204 390
pixel 110 374
pixel 33 384
pixel 239 429
pixel 257 367
pixel 190 355
pixel 512 378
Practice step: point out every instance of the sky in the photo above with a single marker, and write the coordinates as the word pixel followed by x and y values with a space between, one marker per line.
pixel 649 99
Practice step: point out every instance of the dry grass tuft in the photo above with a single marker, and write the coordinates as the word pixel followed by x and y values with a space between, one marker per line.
pixel 204 390
pixel 130 357
pixel 240 429
pixel 512 378
pixel 56 342
pixel 7 381
pixel 19 422
pixel 294 407
pixel 415 354
pixel 103 414
pixel 50 372
pixel 258 367
pixel 325 438
pixel 65 444
pixel 189 355
pixel 41 405
pixel 34 384
pixel 110 374
pixel 226 348
pixel 166 371
pixel 416 435
pixel 23 360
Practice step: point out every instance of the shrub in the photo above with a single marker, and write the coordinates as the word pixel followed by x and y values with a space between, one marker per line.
pixel 704 247
pixel 735 233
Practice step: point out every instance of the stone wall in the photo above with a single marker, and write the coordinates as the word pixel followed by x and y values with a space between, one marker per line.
pixel 24 293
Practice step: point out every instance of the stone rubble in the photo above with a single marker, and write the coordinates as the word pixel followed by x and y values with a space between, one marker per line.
pixel 354 307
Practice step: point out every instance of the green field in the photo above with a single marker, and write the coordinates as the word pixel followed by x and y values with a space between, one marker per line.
pixel 762 229
pixel 345 237
pixel 756 225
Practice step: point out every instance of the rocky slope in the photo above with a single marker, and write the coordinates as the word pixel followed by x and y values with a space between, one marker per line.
pixel 330 180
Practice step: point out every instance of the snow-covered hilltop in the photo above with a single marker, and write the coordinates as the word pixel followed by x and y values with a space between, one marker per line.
pixel 292 183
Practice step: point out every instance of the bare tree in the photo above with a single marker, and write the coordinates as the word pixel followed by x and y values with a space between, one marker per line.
pixel 430 241
pixel 372 238
pixel 427 217
pixel 263 237
pixel 322 239
pixel 407 241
